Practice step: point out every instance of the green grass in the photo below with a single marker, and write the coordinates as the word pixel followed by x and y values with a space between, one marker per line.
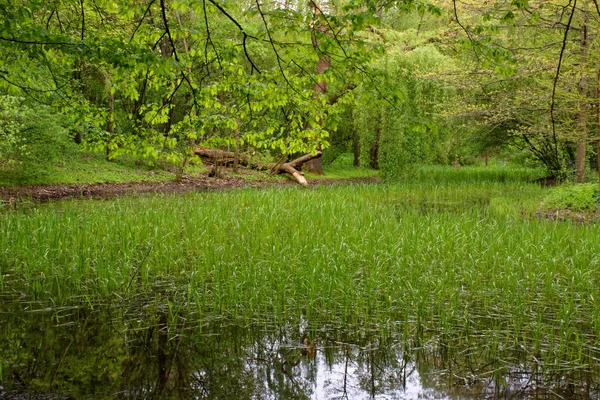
pixel 462 264
pixel 344 172
pixel 85 167
pixel 476 174
pixel 343 168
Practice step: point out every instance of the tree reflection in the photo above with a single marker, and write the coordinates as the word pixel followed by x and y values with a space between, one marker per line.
pixel 150 351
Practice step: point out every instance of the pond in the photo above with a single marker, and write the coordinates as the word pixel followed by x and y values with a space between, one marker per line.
pixel 415 290
pixel 146 350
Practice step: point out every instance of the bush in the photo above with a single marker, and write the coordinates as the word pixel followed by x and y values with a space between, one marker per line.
pixel 12 116
pixel 574 197
pixel 404 127
pixel 32 138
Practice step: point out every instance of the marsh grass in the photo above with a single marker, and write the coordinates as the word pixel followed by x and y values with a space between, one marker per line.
pixel 475 174
pixel 451 265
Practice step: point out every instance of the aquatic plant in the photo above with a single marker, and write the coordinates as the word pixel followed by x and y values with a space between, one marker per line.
pixel 448 264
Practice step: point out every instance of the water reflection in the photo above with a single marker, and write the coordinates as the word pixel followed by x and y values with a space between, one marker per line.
pixel 151 351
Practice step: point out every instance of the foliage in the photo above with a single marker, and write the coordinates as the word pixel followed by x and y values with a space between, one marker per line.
pixel 524 85
pixel 573 197
pixel 156 78
pixel 397 136
pixel 34 138
pixel 342 168
pixel 82 167
pixel 341 139
pixel 12 113
pixel 477 174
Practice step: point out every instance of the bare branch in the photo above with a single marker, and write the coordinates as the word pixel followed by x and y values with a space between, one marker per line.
pixel 272 44
pixel 209 40
pixel 253 66
pixel 44 43
pixel 335 36
pixel 220 8
pixel 597 8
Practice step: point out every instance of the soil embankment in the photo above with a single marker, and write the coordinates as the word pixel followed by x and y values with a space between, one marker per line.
pixel 111 190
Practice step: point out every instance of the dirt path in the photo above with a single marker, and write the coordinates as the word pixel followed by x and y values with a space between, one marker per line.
pixel 111 190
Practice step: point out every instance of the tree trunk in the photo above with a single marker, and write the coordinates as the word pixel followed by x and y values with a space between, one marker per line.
pixel 110 123
pixel 211 156
pixel 356 146
pixel 580 162
pixel 236 157
pixel 189 109
pixel 291 166
pixel 171 104
pixel 374 152
pixel 582 136
pixel 597 124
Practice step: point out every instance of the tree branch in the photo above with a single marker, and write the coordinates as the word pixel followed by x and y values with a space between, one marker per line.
pixel 209 40
pixel 253 66
pixel 556 76
pixel 241 28
pixel 465 29
pixel 262 16
pixel 141 20
pixel 35 42
pixel 167 30
pixel 335 36
pixel 214 3
pixel 597 8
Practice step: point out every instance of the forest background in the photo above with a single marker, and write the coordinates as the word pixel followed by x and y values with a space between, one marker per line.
pixel 397 84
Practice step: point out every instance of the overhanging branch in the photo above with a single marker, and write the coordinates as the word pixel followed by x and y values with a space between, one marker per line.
pixel 556 76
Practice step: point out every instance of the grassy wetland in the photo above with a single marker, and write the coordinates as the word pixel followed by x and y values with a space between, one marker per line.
pixel 446 285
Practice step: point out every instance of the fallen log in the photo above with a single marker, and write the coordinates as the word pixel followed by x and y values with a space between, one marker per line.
pixel 211 156
pixel 290 167
pixel 214 156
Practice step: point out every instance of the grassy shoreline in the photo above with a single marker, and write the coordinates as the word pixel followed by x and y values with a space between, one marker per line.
pixel 93 168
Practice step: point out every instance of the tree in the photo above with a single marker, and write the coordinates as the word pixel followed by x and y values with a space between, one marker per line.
pixel 157 77
pixel 529 73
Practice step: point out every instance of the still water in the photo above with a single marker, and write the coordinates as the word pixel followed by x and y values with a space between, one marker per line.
pixel 148 350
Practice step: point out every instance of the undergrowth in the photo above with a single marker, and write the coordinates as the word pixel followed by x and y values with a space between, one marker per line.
pixel 580 197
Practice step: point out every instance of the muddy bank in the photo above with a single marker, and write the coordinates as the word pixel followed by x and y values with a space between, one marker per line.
pixel 580 217
pixel 112 190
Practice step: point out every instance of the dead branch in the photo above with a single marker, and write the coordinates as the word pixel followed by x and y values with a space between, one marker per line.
pixel 222 157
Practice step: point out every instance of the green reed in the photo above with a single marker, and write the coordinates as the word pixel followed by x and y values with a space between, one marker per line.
pixel 477 174
pixel 467 261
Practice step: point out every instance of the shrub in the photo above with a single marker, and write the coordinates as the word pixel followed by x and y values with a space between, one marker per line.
pixel 32 137
pixel 573 197
pixel 12 115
